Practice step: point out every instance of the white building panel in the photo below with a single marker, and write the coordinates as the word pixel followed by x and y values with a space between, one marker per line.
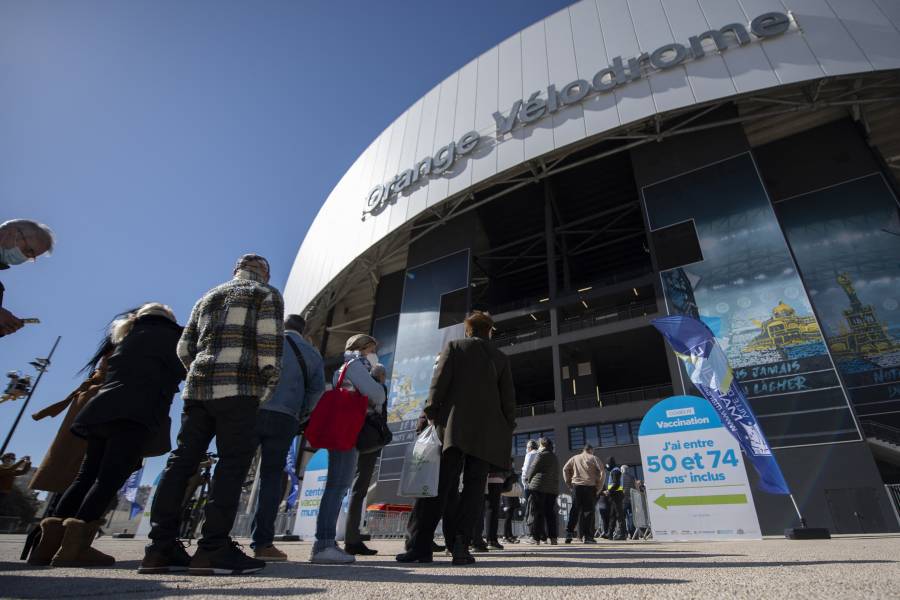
pixel 670 88
pixel 891 9
pixel 709 76
pixel 418 200
pixel 535 77
pixel 391 168
pixel 875 34
pixel 460 176
pixel 600 111
pixel 484 157
pixel 838 53
pixel 568 123
pixel 635 101
pixel 408 158
pixel 789 54
pixel 511 149
pixel 748 66
pixel 443 134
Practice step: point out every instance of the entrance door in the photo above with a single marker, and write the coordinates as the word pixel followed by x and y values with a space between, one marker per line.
pixel 855 510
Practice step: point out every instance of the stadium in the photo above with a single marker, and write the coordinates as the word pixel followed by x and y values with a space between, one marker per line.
pixel 620 161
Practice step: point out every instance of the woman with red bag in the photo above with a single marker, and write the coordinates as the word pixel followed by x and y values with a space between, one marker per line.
pixel 359 358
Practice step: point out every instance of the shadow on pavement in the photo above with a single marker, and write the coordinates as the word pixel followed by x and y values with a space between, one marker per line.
pixel 15 586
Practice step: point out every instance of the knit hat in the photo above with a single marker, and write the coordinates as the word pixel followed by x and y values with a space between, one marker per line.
pixel 252 262
pixel 359 341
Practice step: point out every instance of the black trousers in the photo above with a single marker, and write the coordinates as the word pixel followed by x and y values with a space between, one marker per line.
pixel 543 518
pixel 107 464
pixel 365 466
pixel 428 511
pixel 582 512
pixel 231 421
pixel 491 513
pixel 616 519
pixel 512 505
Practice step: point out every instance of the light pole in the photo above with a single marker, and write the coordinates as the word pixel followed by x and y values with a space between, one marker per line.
pixel 40 365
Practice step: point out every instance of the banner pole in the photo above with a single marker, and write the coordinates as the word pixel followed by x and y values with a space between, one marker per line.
pixel 796 508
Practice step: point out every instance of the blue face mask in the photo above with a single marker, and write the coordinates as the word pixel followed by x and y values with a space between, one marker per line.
pixel 12 256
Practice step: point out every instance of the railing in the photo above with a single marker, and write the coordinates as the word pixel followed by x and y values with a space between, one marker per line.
pixel 893 492
pixel 602 316
pixel 533 410
pixel 881 431
pixel 523 334
pixel 583 401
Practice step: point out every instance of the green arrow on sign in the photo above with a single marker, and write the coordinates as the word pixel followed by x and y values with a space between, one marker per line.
pixel 666 501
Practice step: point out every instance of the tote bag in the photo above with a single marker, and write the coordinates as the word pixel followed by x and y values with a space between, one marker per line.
pixel 422 466
pixel 337 418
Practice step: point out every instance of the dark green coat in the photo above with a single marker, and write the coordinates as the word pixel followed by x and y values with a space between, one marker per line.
pixel 543 474
pixel 472 400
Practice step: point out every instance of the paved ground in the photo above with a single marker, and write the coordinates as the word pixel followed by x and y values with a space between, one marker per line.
pixel 847 567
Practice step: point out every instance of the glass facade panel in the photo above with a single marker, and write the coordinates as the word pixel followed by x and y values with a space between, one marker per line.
pixel 846 240
pixel 604 435
pixel 748 292
pixel 419 342
pixel 623 434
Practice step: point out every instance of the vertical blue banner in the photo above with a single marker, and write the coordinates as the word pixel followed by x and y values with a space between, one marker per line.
pixel 708 369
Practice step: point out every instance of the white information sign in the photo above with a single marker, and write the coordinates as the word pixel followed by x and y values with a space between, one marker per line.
pixel 697 486
pixel 314 478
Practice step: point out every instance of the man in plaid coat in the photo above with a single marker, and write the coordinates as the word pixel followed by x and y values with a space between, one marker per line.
pixel 232 349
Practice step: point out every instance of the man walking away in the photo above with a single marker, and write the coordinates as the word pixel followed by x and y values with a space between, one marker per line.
pixel 472 403
pixel 584 476
pixel 301 385
pixel 615 527
pixel 231 348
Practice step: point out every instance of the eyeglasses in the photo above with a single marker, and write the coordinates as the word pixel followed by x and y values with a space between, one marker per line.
pixel 27 250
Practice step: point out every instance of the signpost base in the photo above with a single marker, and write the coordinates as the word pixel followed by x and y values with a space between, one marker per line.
pixel 807 533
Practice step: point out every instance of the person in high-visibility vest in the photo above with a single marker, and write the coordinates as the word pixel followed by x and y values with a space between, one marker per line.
pixel 615 525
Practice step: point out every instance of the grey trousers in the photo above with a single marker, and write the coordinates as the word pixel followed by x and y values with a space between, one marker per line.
pixel 365 466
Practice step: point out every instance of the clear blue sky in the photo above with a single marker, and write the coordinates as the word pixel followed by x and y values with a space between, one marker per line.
pixel 163 139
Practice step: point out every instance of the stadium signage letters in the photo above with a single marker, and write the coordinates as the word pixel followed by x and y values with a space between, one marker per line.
pixel 619 72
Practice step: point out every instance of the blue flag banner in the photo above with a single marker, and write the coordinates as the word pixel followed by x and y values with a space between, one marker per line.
pixel 289 468
pixel 708 369
pixel 130 489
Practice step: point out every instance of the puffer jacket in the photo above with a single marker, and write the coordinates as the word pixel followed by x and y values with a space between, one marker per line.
pixel 543 474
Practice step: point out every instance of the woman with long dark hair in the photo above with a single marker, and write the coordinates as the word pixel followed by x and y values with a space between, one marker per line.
pixel 126 420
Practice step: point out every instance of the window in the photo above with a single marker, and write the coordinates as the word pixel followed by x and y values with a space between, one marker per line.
pixel 520 440
pixel 453 307
pixel 604 435
pixel 676 245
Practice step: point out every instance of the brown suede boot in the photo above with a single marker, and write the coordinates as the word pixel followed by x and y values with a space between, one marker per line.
pixel 51 538
pixel 76 550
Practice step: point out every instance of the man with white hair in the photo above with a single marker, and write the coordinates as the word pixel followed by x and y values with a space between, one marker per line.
pixel 232 349
pixel 21 240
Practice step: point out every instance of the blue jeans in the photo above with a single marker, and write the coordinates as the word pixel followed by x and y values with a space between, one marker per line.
pixel 274 433
pixel 341 468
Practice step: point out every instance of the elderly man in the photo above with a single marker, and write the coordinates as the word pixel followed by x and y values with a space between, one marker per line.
pixel 20 240
pixel 232 349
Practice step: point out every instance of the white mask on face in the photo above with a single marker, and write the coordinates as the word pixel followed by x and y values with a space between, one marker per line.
pixel 12 256
pixel 372 358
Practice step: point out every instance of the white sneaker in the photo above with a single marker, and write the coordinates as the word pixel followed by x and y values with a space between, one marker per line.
pixel 331 556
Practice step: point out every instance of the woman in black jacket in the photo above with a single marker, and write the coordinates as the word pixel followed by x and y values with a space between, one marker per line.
pixel 127 420
pixel 543 483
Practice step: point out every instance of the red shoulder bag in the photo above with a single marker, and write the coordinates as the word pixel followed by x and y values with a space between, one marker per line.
pixel 337 419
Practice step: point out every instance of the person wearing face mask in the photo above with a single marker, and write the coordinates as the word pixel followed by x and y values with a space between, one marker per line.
pixel 21 240
pixel 359 354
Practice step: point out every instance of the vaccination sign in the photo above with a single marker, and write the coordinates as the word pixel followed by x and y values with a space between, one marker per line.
pixel 314 479
pixel 697 487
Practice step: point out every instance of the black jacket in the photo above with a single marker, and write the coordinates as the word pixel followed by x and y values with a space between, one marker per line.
pixel 473 401
pixel 543 474
pixel 143 375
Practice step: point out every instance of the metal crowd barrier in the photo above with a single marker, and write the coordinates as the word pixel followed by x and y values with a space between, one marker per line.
pixel 387 524
pixel 640 515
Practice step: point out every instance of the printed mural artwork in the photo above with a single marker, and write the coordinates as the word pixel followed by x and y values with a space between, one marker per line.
pixel 415 349
pixel 846 240
pixel 748 292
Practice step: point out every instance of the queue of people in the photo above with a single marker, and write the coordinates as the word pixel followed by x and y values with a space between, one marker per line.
pixel 251 381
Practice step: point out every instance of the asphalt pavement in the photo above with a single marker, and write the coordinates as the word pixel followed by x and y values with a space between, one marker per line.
pixel 845 567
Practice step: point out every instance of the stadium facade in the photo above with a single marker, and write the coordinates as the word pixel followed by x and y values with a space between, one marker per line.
pixel 622 160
